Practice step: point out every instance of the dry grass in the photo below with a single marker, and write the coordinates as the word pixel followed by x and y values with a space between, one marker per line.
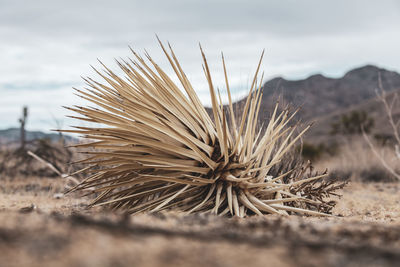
pixel 357 162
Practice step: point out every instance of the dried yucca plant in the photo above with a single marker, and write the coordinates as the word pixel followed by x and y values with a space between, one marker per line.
pixel 160 149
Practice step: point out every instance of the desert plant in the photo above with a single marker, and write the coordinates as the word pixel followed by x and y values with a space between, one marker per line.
pixel 353 123
pixel 315 152
pixel 19 162
pixel 160 149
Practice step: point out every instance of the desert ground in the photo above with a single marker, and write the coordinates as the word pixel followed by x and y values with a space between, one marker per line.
pixel 40 227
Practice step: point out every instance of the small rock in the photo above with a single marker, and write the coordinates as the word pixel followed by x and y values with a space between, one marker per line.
pixel 58 195
pixel 27 209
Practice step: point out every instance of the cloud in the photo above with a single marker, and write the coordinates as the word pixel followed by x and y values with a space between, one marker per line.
pixel 288 17
pixel 47 45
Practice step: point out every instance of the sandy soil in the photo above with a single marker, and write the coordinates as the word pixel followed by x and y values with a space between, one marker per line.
pixel 37 229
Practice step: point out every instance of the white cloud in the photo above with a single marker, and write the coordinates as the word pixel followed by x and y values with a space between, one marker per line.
pixel 47 45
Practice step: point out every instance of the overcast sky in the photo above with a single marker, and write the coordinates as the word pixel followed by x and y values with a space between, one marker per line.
pixel 45 46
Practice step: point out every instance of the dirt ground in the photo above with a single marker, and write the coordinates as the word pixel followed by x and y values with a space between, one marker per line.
pixel 38 228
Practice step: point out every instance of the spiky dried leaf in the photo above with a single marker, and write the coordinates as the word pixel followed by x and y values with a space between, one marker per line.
pixel 160 149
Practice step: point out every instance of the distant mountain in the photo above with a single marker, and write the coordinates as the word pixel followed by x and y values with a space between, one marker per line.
pixel 321 130
pixel 323 99
pixel 319 95
pixel 12 135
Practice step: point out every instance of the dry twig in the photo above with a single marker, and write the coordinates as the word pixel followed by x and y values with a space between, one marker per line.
pixel 69 178
pixel 381 95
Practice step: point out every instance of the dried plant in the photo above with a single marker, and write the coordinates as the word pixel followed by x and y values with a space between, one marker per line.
pixel 382 97
pixel 160 149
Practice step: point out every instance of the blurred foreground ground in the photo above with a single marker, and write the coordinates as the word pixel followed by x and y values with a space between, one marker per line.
pixel 37 229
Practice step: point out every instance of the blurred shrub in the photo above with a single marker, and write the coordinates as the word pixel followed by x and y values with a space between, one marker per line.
pixel 314 152
pixel 376 174
pixel 372 174
pixel 385 139
pixel 17 162
pixel 355 161
pixel 353 123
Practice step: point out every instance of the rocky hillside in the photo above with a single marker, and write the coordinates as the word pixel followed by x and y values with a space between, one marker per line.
pixel 323 99
pixel 319 95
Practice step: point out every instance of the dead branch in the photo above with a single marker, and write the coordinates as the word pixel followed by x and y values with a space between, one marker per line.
pixel 69 178
pixel 380 156
pixel 381 95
